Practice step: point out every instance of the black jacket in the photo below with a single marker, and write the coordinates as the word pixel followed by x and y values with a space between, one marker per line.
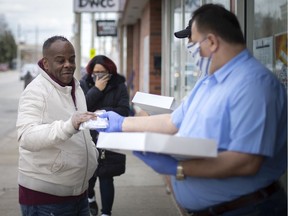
pixel 113 98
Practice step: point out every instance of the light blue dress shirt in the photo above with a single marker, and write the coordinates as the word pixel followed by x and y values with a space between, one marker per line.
pixel 244 108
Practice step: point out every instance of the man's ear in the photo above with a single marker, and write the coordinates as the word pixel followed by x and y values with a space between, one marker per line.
pixel 45 63
pixel 214 42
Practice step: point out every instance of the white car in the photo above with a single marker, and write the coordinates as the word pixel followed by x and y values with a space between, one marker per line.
pixel 33 69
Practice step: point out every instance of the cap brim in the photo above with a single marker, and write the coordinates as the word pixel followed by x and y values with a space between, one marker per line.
pixel 183 33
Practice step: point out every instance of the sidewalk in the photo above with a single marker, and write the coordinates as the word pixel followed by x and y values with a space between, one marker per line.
pixel 8 180
pixel 140 191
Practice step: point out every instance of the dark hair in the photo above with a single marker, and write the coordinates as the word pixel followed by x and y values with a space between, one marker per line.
pixel 50 41
pixel 216 19
pixel 106 62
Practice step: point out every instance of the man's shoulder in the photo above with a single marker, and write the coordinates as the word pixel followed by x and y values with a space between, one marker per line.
pixel 39 85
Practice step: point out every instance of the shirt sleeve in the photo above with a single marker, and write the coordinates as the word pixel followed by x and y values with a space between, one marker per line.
pixel 255 111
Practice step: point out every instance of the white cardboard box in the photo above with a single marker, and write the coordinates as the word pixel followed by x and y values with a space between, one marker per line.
pixel 154 104
pixel 159 143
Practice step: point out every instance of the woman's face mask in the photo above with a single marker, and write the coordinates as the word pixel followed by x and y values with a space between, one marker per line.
pixel 98 76
pixel 203 63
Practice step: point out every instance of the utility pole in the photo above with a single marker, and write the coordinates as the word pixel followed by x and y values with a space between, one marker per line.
pixel 93 34
pixel 77 44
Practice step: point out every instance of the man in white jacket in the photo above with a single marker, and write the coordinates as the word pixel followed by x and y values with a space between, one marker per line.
pixel 56 160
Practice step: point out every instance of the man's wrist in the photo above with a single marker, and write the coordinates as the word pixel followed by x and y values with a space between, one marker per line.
pixel 120 124
pixel 180 172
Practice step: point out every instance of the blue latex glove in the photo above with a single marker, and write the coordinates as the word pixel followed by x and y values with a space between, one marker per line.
pixel 115 122
pixel 161 163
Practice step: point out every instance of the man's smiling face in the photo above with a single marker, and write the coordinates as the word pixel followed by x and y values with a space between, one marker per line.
pixel 59 61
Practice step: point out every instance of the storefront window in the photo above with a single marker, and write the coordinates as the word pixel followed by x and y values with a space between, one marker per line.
pixel 176 19
pixel 270 36
pixel 184 74
pixel 191 72
pixel 225 3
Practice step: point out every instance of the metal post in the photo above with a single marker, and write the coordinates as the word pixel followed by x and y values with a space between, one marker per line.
pixel 93 30
pixel 77 45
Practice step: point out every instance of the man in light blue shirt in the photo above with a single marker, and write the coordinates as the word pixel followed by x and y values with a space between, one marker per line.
pixel 242 106
pixel 237 101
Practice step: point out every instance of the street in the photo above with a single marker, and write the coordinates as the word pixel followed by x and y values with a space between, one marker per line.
pixel 140 191
pixel 10 90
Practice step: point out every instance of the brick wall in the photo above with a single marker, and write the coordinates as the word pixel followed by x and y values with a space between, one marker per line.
pixel 148 26
pixel 129 60
pixel 155 47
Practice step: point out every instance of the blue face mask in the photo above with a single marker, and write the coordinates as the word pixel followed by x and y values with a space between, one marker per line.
pixel 204 63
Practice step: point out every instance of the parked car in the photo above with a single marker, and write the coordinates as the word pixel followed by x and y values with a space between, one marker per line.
pixel 4 67
pixel 30 70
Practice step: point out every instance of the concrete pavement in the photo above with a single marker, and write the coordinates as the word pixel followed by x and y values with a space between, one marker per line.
pixel 140 191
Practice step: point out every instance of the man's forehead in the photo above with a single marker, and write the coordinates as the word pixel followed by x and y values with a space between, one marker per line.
pixel 59 48
pixel 58 45
pixel 194 31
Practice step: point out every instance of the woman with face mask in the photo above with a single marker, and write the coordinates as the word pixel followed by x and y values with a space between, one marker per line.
pixel 104 89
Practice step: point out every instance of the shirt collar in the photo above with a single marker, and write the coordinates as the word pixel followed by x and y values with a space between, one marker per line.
pixel 221 74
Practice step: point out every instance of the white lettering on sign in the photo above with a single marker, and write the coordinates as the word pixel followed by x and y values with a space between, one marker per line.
pixel 96 5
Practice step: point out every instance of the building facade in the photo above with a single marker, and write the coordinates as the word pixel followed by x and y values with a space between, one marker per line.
pixel 156 62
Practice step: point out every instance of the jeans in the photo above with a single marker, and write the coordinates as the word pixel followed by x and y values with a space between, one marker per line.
pixel 107 192
pixel 276 205
pixel 73 208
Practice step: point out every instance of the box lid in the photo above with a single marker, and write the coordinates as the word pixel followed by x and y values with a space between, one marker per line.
pixel 154 104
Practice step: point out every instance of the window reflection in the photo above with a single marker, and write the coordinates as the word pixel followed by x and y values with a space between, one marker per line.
pixel 270 17
pixel 176 50
pixel 183 75
pixel 271 28
pixel 191 72
pixel 225 3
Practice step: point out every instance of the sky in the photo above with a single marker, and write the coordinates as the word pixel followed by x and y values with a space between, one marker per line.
pixel 33 21
pixel 49 16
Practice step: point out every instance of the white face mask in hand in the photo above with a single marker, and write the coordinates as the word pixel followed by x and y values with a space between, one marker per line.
pixel 203 63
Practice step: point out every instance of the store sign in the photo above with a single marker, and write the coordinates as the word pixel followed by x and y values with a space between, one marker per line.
pixel 96 6
pixel 106 28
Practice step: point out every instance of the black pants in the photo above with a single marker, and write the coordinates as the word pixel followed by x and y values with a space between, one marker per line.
pixel 107 192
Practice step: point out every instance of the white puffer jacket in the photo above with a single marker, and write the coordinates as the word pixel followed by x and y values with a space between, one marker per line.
pixel 54 158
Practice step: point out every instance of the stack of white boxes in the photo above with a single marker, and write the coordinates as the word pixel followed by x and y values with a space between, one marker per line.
pixel 156 142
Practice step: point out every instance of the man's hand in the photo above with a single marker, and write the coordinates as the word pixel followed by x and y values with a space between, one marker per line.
pixel 161 163
pixel 79 118
pixel 115 122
